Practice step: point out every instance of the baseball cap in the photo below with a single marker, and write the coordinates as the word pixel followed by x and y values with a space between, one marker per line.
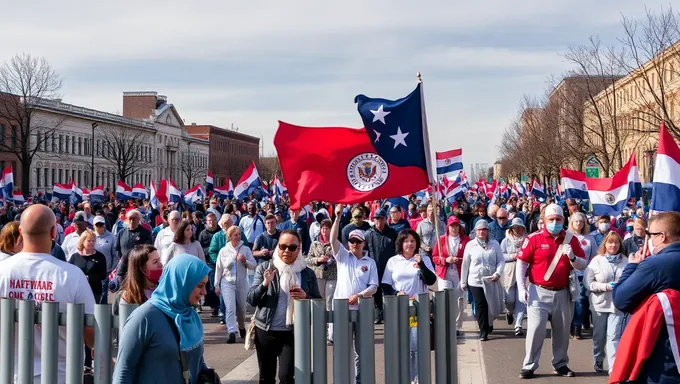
pixel 99 220
pixel 553 210
pixel 79 217
pixel 481 224
pixel 380 214
pixel 357 234
pixel 453 220
pixel 517 222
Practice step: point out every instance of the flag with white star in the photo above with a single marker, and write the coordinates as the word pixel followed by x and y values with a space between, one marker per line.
pixel 396 128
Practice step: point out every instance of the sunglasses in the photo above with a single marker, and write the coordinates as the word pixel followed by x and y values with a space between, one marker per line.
pixel 354 241
pixel 288 247
pixel 502 218
pixel 652 233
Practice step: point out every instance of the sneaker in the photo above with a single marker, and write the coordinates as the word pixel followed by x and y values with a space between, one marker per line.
pixel 577 333
pixel 483 338
pixel 509 318
pixel 526 374
pixel 518 332
pixel 232 338
pixel 571 332
pixel 586 322
pixel 379 317
pixel 459 334
pixel 599 366
pixel 564 371
pixel 222 322
pixel 242 333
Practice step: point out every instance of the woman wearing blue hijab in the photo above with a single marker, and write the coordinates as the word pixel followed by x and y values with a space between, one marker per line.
pixel 149 351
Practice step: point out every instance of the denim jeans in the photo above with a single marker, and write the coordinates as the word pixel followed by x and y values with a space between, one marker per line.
pixel 581 307
pixel 606 336
pixel 414 353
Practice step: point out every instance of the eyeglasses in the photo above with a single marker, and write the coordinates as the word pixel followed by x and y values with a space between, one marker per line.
pixel 99 225
pixel 652 233
pixel 502 218
pixel 354 241
pixel 483 229
pixel 288 247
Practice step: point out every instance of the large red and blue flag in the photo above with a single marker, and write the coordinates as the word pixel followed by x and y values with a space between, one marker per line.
pixel 666 191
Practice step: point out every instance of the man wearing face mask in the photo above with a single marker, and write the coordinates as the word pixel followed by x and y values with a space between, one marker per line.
pixel 547 263
pixel 603 227
pixel 646 276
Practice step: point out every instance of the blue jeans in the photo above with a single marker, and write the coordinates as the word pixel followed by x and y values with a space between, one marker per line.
pixel 105 291
pixel 581 307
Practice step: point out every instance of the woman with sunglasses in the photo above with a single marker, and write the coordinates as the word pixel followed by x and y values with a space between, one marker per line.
pixel 276 285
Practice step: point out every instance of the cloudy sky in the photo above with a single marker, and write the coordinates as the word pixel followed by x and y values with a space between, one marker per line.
pixel 251 63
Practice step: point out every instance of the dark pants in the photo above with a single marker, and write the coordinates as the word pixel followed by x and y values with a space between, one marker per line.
pixel 271 346
pixel 481 310
pixel 378 299
pixel 211 298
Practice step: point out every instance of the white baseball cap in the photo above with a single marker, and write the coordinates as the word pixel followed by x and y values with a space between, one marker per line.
pixel 553 210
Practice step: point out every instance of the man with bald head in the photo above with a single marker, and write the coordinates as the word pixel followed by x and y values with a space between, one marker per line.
pixel 34 274
pixel 499 225
pixel 167 234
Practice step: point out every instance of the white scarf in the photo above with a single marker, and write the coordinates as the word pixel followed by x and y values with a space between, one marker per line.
pixel 288 278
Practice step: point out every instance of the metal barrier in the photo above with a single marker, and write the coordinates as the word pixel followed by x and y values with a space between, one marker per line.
pixel 50 319
pixel 311 319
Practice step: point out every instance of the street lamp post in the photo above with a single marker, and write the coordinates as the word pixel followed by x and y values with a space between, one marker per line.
pixel 94 125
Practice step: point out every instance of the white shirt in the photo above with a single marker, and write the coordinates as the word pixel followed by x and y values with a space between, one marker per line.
pixel 479 263
pixel 403 275
pixel 70 244
pixel 164 239
pixel 354 275
pixel 43 278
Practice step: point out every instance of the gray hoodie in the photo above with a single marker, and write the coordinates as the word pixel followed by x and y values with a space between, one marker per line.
pixel 105 244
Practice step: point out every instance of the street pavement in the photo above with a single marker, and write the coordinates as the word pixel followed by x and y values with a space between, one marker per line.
pixel 496 361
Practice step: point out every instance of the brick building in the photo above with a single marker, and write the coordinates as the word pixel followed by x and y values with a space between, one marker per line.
pixel 230 151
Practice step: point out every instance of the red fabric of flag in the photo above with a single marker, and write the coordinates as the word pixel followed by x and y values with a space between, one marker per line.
pixel 339 165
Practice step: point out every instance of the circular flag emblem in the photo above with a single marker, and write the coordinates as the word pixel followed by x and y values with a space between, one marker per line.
pixel 415 265
pixel 447 161
pixel 367 171
pixel 245 185
pixel 584 187
pixel 610 199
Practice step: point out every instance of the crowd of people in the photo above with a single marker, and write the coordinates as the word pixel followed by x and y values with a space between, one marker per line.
pixel 530 260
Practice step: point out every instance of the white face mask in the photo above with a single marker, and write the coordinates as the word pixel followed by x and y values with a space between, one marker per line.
pixel 651 246
pixel 604 227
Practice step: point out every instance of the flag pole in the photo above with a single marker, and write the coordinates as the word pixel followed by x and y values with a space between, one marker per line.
pixel 428 162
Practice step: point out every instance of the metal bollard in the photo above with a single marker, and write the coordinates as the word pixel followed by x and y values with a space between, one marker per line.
pixel 342 337
pixel 49 345
pixel 75 345
pixel 404 340
pixel 7 340
pixel 25 341
pixel 102 344
pixel 366 337
pixel 423 303
pixel 452 341
pixel 302 342
pixel 124 311
pixel 319 355
pixel 391 338
pixel 440 360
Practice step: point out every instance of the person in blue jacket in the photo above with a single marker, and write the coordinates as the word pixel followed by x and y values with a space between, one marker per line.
pixel 646 276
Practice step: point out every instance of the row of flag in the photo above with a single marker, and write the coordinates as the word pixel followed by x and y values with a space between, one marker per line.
pixel 608 196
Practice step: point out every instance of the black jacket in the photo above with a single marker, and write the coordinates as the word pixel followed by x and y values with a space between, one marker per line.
pixel 381 246
pixel 204 238
pixel 266 299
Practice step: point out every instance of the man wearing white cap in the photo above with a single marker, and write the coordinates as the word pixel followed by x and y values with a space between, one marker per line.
pixel 357 273
pixel 549 263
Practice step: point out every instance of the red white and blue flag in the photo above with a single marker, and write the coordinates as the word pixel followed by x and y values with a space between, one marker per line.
pixel 248 183
pixel 538 190
pixel 139 191
pixel 388 157
pixel 574 184
pixel 76 193
pixel 7 183
pixel 196 193
pixel 666 191
pixel 97 194
pixel 174 194
pixel 209 183
pixel 123 191
pixel 609 196
pixel 18 197
pixel 62 192
pixel 449 163
pixel 226 191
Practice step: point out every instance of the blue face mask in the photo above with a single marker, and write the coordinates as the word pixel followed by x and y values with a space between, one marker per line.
pixel 629 228
pixel 554 228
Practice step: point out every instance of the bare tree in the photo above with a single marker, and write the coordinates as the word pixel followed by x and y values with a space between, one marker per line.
pixel 653 49
pixel 190 165
pixel 601 68
pixel 123 148
pixel 25 81
pixel 268 167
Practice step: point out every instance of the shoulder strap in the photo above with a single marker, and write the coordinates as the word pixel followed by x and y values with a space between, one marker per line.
pixel 182 355
pixel 557 256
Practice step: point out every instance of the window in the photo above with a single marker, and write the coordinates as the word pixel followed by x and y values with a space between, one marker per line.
pixel 61 175
pixel 38 178
pixel 54 171
pixel 13 139
pixel 3 133
pixel 73 145
pixel 45 177
pixel 86 147
pixel 54 143
pixel 68 141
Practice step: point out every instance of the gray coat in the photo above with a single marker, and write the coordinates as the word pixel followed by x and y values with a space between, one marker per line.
pixel 266 299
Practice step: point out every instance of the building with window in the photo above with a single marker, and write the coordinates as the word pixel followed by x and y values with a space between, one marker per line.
pixel 231 152
pixel 147 143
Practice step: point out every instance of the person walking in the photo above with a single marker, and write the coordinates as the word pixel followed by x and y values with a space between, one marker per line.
pixel 510 246
pixel 549 256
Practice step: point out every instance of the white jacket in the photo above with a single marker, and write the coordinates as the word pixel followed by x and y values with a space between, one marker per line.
pixel 597 276
pixel 227 268
pixel 479 262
